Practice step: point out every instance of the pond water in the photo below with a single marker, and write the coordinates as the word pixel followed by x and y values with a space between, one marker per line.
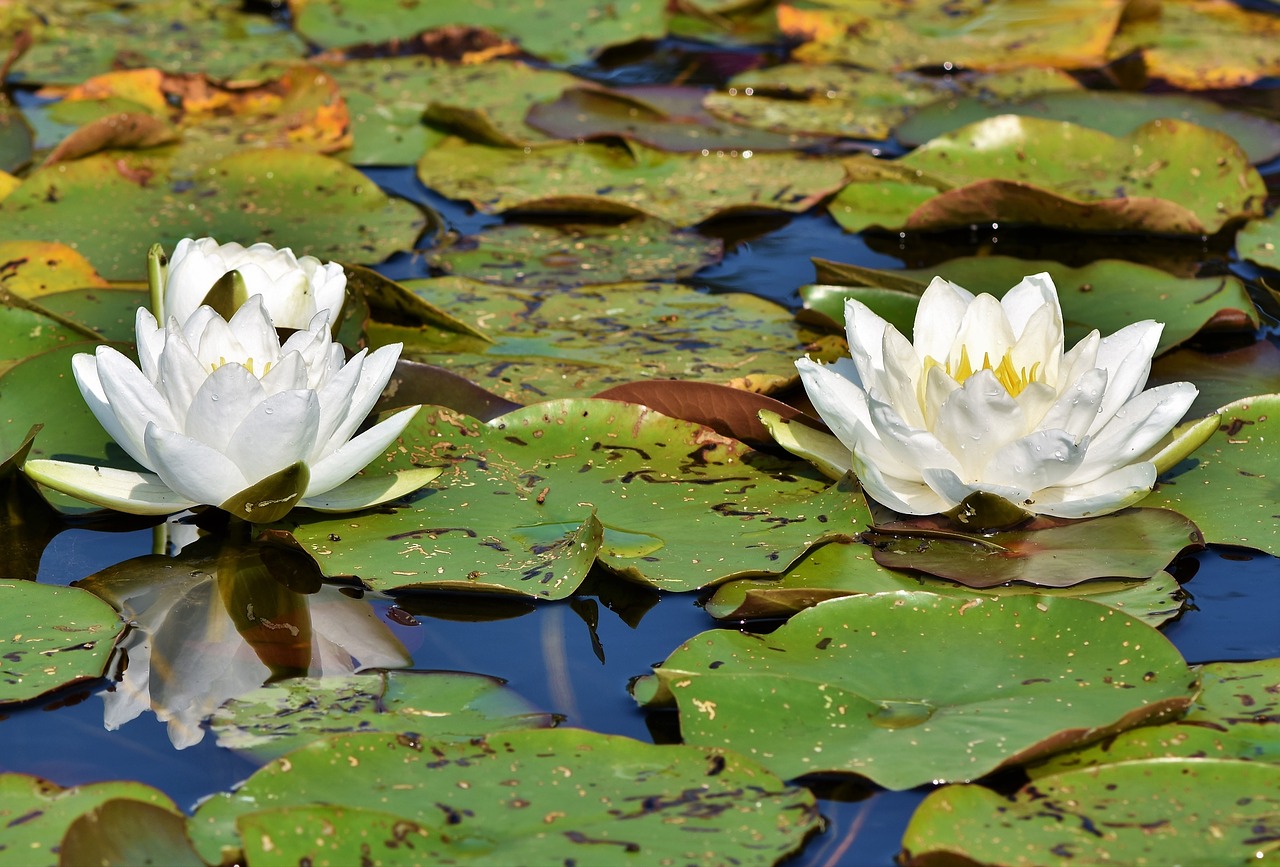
pixel 577 657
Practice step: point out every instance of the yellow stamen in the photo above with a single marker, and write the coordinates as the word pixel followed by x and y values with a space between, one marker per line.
pixel 247 364
pixel 1013 379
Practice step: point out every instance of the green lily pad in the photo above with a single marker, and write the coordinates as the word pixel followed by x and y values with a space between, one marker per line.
pixel 1235 716
pixel 565 31
pixel 908 688
pixel 1112 111
pixel 15 139
pixel 125 831
pixel 567 255
pixel 1222 377
pixel 1158 811
pixel 1031 171
pixel 683 189
pixel 75 39
pixel 107 313
pixel 445 706
pixel 666 117
pixel 533 498
pixel 528 797
pixel 35 813
pixel 315 204
pixel 1000 34
pixel 848 569
pixel 1259 242
pixel 1134 543
pixel 547 345
pixel 1201 44
pixel 1231 486
pixel 50 637
pixel 27 330
pixel 388 96
pixel 1107 295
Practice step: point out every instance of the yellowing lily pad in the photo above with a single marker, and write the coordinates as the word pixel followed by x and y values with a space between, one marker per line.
pixel 529 501
pixel 566 255
pixel 1023 170
pixel 32 269
pixel 1230 486
pixel 564 31
pixel 908 688
pixel 547 344
pixel 999 34
pixel 1157 811
pixel 683 189
pixel 50 637
pixel 312 203
pixel 1201 44
pixel 518 798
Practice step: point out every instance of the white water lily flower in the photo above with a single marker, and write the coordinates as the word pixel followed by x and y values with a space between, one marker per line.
pixel 293 289
pixel 985 400
pixel 222 414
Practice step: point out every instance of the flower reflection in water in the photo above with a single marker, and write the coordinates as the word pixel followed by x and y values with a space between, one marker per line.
pixel 222 618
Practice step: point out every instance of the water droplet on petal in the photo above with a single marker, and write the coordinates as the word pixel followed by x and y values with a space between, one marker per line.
pixel 214 397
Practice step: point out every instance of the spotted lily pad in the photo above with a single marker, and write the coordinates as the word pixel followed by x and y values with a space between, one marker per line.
pixel 683 189
pixel 564 31
pixel 27 330
pixel 1107 295
pixel 35 813
pixel 547 344
pixel 1259 242
pixel 1025 170
pixel 1000 34
pixel 1231 486
pixel 1201 44
pixel 312 203
pixel 1235 716
pixel 50 637
pixel 911 687
pixel 32 269
pixel 1134 543
pixel 1112 111
pixel 1156 811
pixel 848 569
pixel 447 706
pixel 566 255
pixel 524 797
pixel 75 39
pixel 530 500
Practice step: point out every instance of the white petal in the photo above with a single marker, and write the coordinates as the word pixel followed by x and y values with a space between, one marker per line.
pixel 1025 300
pixel 254 330
pixel 134 400
pixel 373 378
pixel 85 369
pixel 150 340
pixel 1038 350
pixel 1078 405
pixel 984 333
pixel 279 431
pixel 897 448
pixel 338 419
pixel 938 317
pixel 342 464
pixel 953 490
pixel 1035 401
pixel 220 405
pixel 976 420
pixel 123 490
pixel 192 469
pixel 864 329
pixel 1126 356
pixel 900 380
pixel 1110 493
pixel 181 374
pixel 1077 360
pixel 839 402
pixel 1135 428
pixel 288 373
pixel 902 495
pixel 1041 459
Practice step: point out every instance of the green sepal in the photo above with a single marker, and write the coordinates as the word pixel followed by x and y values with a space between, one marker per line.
pixel 226 295
pixel 821 449
pixel 157 276
pixel 983 511
pixel 270 499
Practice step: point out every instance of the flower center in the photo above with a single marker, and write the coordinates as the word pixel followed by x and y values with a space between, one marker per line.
pixel 246 363
pixel 1013 379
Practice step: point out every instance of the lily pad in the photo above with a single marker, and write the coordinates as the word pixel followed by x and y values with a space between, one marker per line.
pixel 567 255
pixel 31 269
pixel 312 203
pixel 1222 377
pixel 547 345
pixel 1000 34
pixel 50 637
pixel 1235 716
pixel 666 117
pixel 530 797
pixel 1112 111
pixel 1259 242
pixel 15 139
pixel 565 31
pixel 1201 44
pixel 443 706
pixel 1158 811
pixel 683 189
pixel 26 330
pixel 1134 543
pixel 1107 295
pixel 848 569
pixel 908 688
pixel 533 498
pixel 1031 171
pixel 36 813
pixel 1231 486
pixel 126 831
pixel 106 313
